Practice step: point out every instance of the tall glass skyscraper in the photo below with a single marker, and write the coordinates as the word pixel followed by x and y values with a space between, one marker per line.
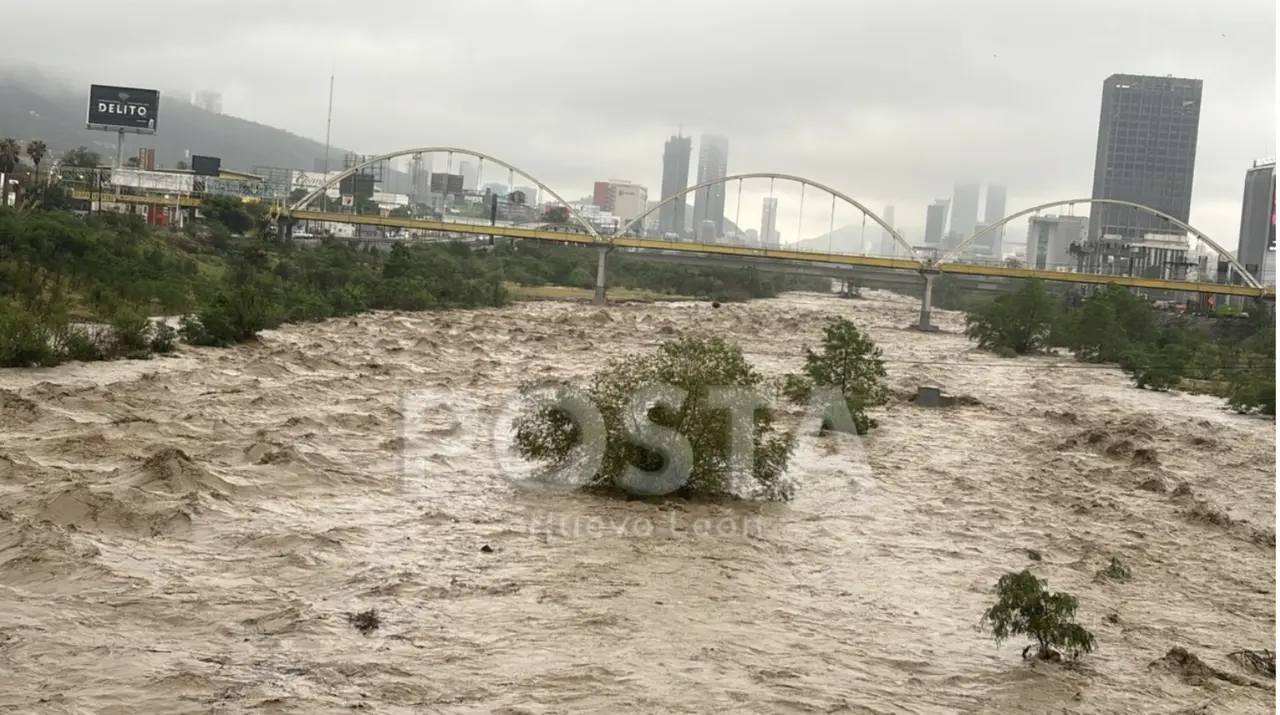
pixel 1257 246
pixel 1146 154
pixel 675 178
pixel 713 163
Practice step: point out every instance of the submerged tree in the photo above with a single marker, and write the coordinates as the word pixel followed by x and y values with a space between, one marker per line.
pixel 686 420
pixel 1252 374
pixel 1024 607
pixel 851 363
pixel 1019 321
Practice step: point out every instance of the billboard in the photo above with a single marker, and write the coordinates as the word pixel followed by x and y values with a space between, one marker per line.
pixel 127 108
pixel 361 185
pixel 154 180
pixel 446 183
pixel 206 165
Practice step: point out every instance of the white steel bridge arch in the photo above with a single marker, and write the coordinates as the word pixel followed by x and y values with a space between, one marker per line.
pixel 626 227
pixel 315 193
pixel 954 252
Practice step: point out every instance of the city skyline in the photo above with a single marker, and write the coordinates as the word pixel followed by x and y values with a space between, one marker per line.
pixel 899 135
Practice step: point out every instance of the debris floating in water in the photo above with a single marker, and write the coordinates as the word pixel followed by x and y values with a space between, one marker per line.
pixel 366 621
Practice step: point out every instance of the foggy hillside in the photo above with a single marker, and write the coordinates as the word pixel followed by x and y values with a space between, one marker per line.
pixel 35 106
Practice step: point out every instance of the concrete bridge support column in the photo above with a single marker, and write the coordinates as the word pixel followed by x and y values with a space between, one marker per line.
pixel 601 265
pixel 926 304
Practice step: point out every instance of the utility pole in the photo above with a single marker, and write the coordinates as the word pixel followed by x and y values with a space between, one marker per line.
pixel 493 214
pixel 328 128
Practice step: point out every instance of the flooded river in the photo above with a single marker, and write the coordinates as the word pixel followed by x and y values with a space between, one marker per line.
pixel 191 534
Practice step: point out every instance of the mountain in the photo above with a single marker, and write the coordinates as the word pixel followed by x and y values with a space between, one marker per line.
pixel 37 106
pixel 846 239
pixel 729 225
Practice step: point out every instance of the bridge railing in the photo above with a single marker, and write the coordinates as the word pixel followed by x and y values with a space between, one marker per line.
pixel 138 182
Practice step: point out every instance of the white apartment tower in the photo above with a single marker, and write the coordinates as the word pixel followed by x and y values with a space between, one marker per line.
pixel 769 222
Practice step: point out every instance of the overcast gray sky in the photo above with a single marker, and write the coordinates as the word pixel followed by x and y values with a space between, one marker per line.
pixel 888 100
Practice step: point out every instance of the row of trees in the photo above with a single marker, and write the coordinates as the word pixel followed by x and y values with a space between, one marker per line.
pixel 541 264
pixel 232 280
pixel 57 269
pixel 11 154
pixel 37 190
pixel 11 159
pixel 1158 351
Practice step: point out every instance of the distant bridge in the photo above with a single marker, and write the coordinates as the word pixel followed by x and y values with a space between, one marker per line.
pixel 582 232
pixel 560 235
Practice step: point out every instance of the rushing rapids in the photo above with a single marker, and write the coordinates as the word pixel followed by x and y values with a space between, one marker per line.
pixel 210 533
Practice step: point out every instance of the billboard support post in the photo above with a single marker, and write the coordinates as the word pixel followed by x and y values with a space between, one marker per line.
pixel 123 110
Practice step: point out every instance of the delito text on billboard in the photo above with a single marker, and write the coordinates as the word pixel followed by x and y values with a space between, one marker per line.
pixel 127 108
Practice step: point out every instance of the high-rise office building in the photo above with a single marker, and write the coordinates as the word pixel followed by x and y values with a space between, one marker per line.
pixel 1258 221
pixel 997 196
pixel 600 195
pixel 964 208
pixel 713 163
pixel 1146 154
pixel 888 246
pixel 675 178
pixel 935 222
pixel 769 222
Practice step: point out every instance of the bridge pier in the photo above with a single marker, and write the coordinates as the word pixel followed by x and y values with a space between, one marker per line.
pixel 602 259
pixel 849 288
pixel 925 324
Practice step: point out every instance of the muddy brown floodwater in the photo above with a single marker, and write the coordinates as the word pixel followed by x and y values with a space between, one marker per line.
pixel 194 534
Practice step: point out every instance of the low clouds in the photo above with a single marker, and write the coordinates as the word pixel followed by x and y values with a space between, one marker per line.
pixel 890 101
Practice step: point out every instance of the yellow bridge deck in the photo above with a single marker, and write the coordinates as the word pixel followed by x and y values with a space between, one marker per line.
pixel 905 264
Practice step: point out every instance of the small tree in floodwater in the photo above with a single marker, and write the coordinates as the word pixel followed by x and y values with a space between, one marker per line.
pixel 684 444
pixel 1018 321
pixel 1026 608
pixel 851 363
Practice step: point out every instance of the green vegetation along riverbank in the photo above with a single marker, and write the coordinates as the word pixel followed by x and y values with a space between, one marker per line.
pixel 58 269
pixel 1158 351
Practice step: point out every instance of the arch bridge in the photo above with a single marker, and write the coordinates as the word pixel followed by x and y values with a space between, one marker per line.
pixel 627 227
pixel 583 232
